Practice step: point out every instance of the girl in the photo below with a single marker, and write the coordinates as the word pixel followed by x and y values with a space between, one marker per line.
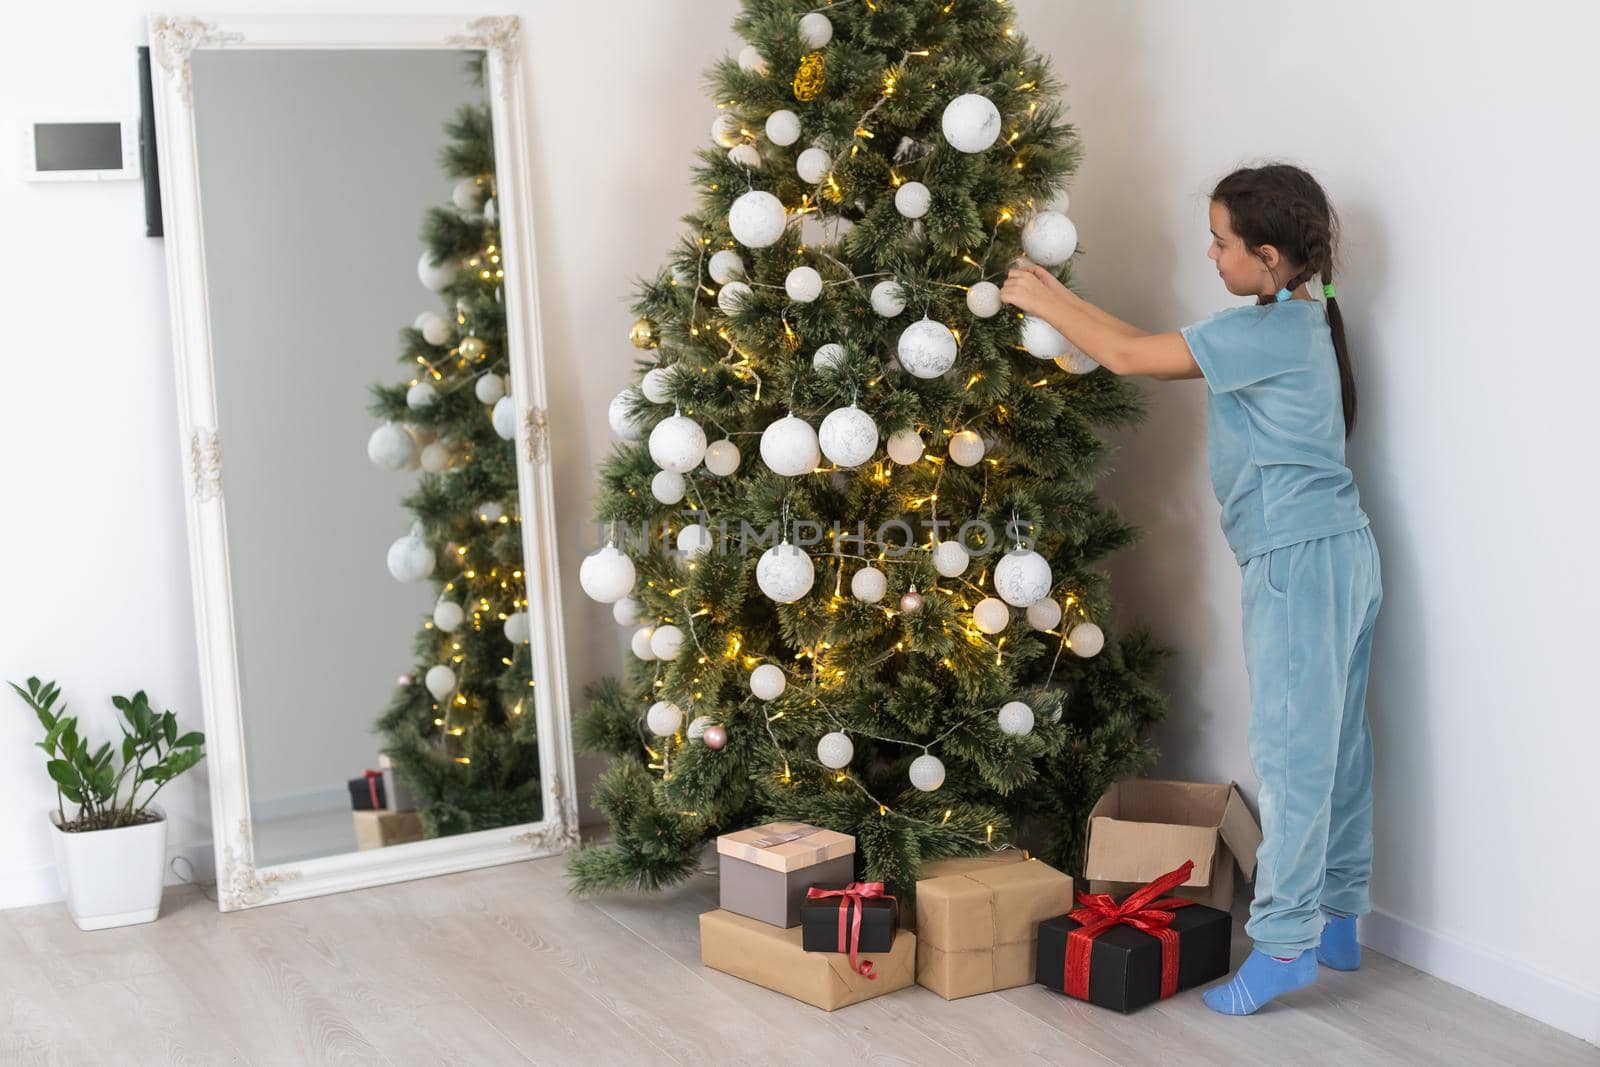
pixel 1282 403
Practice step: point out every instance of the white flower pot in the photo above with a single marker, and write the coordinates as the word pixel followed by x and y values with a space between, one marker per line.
pixel 112 877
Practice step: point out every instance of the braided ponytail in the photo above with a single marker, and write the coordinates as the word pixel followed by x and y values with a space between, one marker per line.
pixel 1281 205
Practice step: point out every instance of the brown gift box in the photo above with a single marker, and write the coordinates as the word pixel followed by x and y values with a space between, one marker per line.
pixel 772 957
pixel 764 872
pixel 1143 828
pixel 375 829
pixel 978 919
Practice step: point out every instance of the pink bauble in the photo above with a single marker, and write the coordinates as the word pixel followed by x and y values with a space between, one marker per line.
pixel 405 679
pixel 911 602
pixel 716 736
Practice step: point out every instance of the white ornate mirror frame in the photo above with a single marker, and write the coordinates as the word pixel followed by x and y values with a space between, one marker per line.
pixel 240 883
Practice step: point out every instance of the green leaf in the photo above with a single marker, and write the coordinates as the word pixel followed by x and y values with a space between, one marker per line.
pixel 169 726
pixel 63 773
pixel 190 739
pixel 72 795
pixel 127 748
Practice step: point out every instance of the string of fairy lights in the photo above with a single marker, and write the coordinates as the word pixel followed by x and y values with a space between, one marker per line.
pixel 718 290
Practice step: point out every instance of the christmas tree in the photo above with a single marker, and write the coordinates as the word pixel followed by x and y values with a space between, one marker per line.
pixel 460 728
pixel 853 635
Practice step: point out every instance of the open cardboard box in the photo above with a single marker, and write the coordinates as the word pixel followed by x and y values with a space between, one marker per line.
pixel 1142 828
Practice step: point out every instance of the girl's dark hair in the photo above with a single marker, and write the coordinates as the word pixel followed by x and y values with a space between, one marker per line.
pixel 1283 206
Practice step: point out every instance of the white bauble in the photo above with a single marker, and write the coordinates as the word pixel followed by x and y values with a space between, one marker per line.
pixel 767 682
pixel 966 448
pixel 1022 577
pixel 666 642
pixel 732 296
pixel 722 457
pixel 815 29
pixel 1075 362
pixel 751 59
pixel 926 349
pixel 625 611
pixel 435 276
pixel 950 558
pixel 1086 639
pixel 664 718
pixel 912 200
pixel 888 299
pixel 905 447
pixel 640 643
pixel 491 213
pixel 848 436
pixel 789 447
pixel 725 130
pixel 971 123
pixel 830 356
pixel 657 385
pixel 466 194
pixel 823 231
pixel 440 680
pixel 435 457
pixel 697 727
pixel 869 585
pixel 803 284
pixel 617 414
pixel 490 388
pixel 990 615
pixel 435 327
pixel 813 165
pixel 668 487
pixel 410 559
pixel 1049 238
pixel 757 219
pixel 606 574
pixel 677 444
pixel 490 511
pixel 694 539
pixel 927 773
pixel 391 447
pixel 517 629
pixel 783 128
pixel 725 266
pixel 421 395
pixel 785 573
pixel 835 751
pixel 1041 339
pixel 745 155
pixel 504 418
pixel 1044 614
pixel 1016 718
pixel 983 300
pixel 448 615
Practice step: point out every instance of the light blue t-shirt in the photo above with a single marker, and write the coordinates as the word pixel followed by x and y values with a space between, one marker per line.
pixel 1275 425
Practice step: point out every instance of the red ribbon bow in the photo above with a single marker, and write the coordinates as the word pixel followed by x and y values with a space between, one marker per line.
pixel 374 779
pixel 1141 910
pixel 856 893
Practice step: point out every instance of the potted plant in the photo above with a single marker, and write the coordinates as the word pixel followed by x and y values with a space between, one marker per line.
pixel 112 854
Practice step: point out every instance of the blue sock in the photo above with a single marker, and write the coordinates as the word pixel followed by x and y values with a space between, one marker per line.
pixel 1339 948
pixel 1259 980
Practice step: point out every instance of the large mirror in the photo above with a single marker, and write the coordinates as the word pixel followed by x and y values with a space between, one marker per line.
pixel 361 405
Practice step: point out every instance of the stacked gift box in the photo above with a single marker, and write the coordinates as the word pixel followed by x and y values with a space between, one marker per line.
pixel 384 808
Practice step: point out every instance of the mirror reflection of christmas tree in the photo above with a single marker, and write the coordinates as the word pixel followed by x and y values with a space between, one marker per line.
pixel 460 728
pixel 868 598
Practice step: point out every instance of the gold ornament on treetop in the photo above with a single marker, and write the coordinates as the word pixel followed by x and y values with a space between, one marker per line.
pixel 808 79
pixel 643 334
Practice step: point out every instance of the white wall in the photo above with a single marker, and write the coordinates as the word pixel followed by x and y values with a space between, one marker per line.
pixel 1450 135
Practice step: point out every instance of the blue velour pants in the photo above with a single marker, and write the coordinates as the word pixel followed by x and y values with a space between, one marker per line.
pixel 1309 610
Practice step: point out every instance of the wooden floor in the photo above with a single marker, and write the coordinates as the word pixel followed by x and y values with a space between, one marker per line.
pixel 501 966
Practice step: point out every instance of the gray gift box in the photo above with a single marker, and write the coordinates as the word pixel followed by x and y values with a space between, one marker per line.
pixel 766 870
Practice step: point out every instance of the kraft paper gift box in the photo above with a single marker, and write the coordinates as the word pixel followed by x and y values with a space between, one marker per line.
pixel 977 922
pixel 376 829
pixel 1142 828
pixel 772 957
pixel 764 871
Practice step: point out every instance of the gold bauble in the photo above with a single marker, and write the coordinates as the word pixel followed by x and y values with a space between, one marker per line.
pixel 808 79
pixel 471 348
pixel 643 334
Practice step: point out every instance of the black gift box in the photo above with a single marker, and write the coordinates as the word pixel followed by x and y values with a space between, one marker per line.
pixel 1125 962
pixel 361 793
pixel 819 924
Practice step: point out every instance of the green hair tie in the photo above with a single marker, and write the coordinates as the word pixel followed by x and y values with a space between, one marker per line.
pixel 1327 291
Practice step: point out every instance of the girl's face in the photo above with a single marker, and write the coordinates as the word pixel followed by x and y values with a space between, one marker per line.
pixel 1242 272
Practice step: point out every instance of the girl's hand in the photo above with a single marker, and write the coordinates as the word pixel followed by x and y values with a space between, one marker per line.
pixel 1034 290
